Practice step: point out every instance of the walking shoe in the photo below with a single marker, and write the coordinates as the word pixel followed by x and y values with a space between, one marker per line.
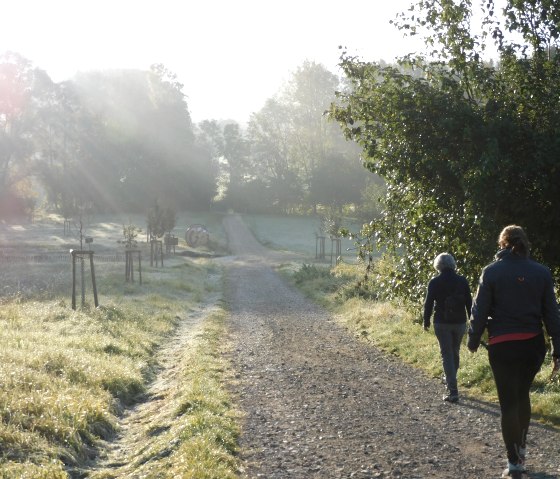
pixel 451 398
pixel 514 470
pixel 512 474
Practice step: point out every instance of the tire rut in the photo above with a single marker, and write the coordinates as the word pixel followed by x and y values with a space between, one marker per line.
pixel 131 448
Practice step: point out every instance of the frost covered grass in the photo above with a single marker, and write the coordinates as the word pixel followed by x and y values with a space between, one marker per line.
pixel 192 431
pixel 397 330
pixel 67 375
pixel 297 234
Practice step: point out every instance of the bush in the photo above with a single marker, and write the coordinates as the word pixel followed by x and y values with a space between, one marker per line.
pixel 309 272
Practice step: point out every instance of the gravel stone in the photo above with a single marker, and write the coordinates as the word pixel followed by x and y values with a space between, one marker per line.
pixel 319 403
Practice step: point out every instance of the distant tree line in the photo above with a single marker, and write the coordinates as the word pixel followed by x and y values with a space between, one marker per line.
pixel 116 141
pixel 466 147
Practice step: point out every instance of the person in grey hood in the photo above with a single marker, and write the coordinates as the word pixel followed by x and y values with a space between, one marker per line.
pixel 451 295
pixel 515 298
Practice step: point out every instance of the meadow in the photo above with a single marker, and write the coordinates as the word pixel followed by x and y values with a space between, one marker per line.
pixel 298 234
pixel 67 376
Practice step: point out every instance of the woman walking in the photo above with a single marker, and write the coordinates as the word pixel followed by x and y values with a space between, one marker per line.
pixel 515 298
pixel 451 295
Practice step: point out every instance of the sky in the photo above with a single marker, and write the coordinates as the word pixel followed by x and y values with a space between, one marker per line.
pixel 230 55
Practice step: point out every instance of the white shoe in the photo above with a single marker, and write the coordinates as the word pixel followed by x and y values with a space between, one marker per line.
pixel 514 470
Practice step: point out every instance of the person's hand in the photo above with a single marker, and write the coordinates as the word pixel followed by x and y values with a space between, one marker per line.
pixel 471 346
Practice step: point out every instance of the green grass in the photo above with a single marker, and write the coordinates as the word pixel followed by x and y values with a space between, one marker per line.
pixel 193 432
pixel 396 330
pixel 296 233
pixel 66 376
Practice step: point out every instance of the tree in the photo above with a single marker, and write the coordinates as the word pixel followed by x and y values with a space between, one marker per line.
pixel 337 181
pixel 372 196
pixel 65 130
pixel 235 154
pixel 146 142
pixel 228 149
pixel 308 94
pixel 464 147
pixel 328 166
pixel 269 133
pixel 160 220
pixel 22 90
pixel 297 152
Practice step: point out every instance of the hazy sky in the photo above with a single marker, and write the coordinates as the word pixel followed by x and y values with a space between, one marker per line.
pixel 231 55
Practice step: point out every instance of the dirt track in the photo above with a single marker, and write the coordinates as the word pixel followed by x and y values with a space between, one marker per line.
pixel 320 404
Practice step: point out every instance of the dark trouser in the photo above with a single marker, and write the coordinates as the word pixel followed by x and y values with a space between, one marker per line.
pixel 449 337
pixel 515 365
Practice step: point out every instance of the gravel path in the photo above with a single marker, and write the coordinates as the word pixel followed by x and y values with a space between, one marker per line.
pixel 318 403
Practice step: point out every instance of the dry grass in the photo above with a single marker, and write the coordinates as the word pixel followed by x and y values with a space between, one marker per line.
pixel 394 329
pixel 66 376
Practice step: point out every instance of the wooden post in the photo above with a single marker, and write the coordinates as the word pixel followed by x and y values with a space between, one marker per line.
pixel 129 264
pixel 127 261
pixel 78 254
pixel 336 242
pixel 126 265
pixel 156 250
pixel 93 283
pixel 319 247
pixel 73 280
pixel 170 242
pixel 82 280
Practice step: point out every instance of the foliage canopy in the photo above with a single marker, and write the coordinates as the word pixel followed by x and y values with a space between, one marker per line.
pixel 466 147
pixel 116 140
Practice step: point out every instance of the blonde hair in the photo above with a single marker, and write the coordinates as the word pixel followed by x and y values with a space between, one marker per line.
pixel 514 237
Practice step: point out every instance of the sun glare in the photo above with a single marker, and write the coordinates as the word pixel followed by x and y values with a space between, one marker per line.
pixel 230 56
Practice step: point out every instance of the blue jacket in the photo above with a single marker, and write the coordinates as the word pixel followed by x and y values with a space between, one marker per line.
pixel 515 295
pixel 439 288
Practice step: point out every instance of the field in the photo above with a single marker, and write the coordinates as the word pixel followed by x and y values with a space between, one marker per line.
pixel 299 234
pixel 36 259
pixel 67 375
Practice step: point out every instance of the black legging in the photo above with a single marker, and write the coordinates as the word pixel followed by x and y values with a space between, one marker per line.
pixel 515 365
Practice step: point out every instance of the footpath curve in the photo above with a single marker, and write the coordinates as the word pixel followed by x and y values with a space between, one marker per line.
pixel 318 403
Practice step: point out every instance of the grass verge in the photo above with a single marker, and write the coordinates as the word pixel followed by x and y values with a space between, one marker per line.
pixel 66 376
pixel 397 331
pixel 191 430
